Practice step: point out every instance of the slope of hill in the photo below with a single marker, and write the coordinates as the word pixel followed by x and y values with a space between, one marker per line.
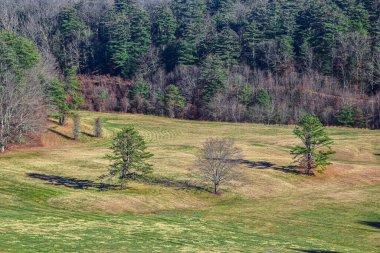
pixel 52 201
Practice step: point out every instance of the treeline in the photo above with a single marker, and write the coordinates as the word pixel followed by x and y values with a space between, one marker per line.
pixel 253 60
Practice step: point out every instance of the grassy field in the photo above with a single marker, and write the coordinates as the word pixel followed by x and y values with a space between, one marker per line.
pixel 50 199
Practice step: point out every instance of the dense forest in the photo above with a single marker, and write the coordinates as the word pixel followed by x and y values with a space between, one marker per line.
pixel 263 61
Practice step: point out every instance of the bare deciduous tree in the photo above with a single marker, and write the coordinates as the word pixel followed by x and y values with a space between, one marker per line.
pixel 98 128
pixel 217 161
pixel 22 110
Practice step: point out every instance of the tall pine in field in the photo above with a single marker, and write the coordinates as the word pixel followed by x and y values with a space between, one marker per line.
pixel 315 151
pixel 129 155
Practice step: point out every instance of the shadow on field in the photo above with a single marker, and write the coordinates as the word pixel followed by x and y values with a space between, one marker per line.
pixel 176 184
pixel 268 165
pixel 375 224
pixel 314 251
pixel 167 182
pixel 72 182
pixel 61 134
pixel 88 134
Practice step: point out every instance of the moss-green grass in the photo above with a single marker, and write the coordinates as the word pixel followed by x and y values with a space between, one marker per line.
pixel 267 210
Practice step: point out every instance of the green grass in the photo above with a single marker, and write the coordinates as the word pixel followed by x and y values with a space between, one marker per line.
pixel 267 210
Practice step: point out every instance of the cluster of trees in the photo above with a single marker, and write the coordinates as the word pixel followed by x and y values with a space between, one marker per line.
pixel 218 158
pixel 22 100
pixel 231 60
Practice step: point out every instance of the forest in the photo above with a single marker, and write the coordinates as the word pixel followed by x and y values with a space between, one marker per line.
pixel 257 61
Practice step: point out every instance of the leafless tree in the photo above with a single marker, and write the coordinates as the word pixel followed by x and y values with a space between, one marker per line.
pixel 98 127
pixel 217 161
pixel 22 110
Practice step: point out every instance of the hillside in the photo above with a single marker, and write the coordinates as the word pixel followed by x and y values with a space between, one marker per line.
pixel 51 199
pixel 255 61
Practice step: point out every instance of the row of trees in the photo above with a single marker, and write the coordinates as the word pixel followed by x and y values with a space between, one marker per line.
pixel 218 158
pixel 219 54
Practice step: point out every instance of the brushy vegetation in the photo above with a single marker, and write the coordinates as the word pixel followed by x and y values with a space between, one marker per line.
pixel 52 201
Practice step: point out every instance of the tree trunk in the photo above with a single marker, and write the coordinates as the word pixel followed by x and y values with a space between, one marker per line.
pixel 216 188
pixel 309 163
pixel 62 120
pixel 124 171
pixel 2 148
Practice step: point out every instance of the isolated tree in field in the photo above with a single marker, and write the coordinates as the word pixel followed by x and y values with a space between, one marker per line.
pixel 76 126
pixel 98 128
pixel 129 155
pixel 217 160
pixel 316 148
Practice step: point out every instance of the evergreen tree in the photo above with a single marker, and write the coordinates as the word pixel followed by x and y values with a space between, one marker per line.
pixel 213 78
pixel 175 103
pixel 250 38
pixel 17 54
pixel 164 27
pixel 71 33
pixel 319 24
pixel 140 89
pixel 245 95
pixel 129 154
pixel 190 17
pixel 262 98
pixel 66 95
pixel 345 117
pixel 227 47
pixel 128 36
pixel 316 148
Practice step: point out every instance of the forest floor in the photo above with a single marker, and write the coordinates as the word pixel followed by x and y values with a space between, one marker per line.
pixel 51 198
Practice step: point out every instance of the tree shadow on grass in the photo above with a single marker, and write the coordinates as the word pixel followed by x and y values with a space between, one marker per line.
pixel 88 134
pixel 166 182
pixel 268 165
pixel 72 182
pixel 375 224
pixel 177 184
pixel 314 251
pixel 61 134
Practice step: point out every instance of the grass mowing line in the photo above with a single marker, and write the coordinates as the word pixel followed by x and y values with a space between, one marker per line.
pixel 281 213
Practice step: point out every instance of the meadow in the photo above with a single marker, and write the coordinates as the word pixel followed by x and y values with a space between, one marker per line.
pixel 52 200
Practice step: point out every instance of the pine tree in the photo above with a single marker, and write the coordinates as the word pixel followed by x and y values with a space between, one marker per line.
pixel 316 148
pixel 71 33
pixel 227 47
pixel 128 36
pixel 66 95
pixel 17 54
pixel 251 37
pixel 320 24
pixel 129 155
pixel 345 117
pixel 190 17
pixel 174 101
pixel 164 27
pixel 213 78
